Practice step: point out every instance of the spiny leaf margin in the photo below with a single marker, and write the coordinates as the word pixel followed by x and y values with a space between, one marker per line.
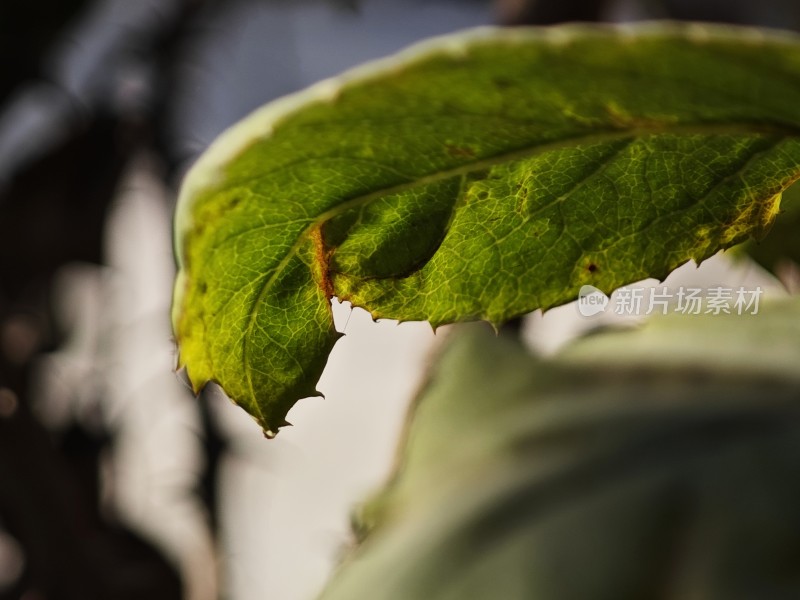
pixel 266 363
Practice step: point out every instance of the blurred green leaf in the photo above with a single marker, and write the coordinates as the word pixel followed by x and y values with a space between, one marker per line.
pixel 477 176
pixel 633 465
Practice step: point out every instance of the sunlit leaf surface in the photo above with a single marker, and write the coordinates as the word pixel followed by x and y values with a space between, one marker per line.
pixel 478 176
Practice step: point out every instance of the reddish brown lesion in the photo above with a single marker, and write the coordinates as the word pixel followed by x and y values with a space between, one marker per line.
pixel 322 256
pixel 459 151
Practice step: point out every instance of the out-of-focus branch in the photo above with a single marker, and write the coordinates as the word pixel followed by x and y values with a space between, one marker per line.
pixel 548 12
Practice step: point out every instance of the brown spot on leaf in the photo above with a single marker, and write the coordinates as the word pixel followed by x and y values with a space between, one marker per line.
pixel 322 254
pixel 460 151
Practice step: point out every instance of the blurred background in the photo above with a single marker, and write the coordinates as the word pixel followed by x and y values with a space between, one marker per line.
pixel 115 482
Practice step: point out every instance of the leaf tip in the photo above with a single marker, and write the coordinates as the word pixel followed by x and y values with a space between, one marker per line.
pixel 193 382
pixel 271 434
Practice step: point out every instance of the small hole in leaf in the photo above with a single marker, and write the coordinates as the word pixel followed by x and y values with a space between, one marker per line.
pixel 591 268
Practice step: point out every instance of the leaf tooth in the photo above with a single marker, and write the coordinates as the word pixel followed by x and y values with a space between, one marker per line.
pixel 435 324
pixel 496 324
pixel 269 433
pixel 195 383
pixel 183 376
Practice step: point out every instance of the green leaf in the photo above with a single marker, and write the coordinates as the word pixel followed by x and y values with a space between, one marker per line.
pixel 782 246
pixel 477 176
pixel 632 465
